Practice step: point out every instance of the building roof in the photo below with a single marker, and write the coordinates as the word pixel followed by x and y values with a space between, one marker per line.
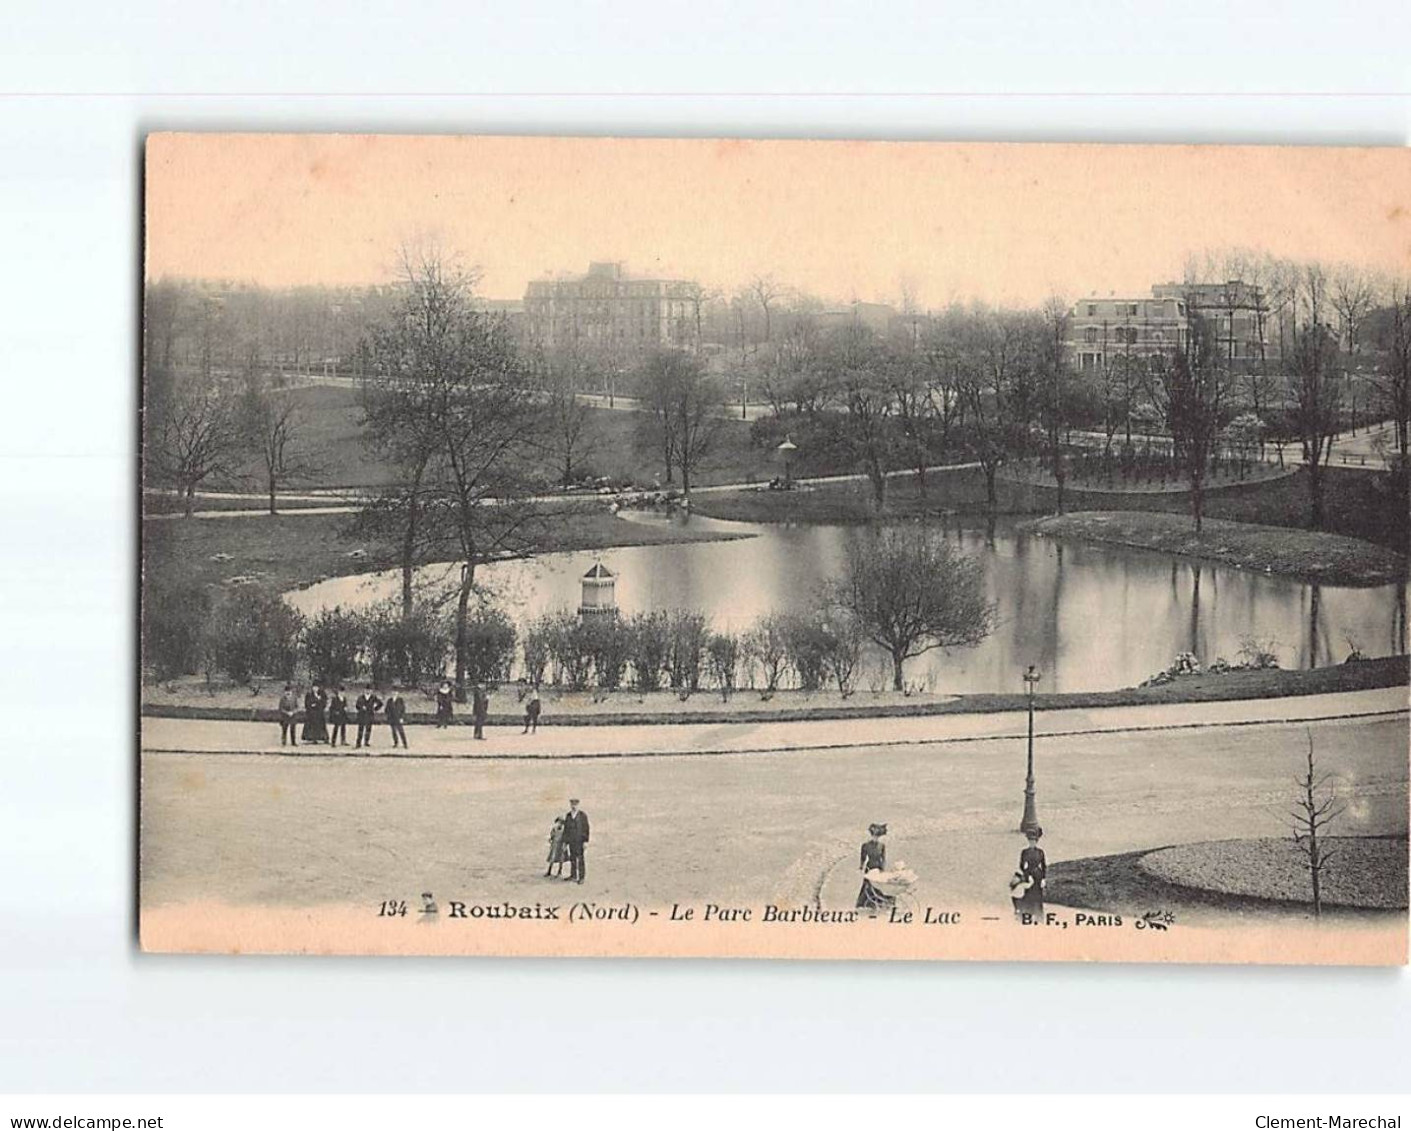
pixel 598 570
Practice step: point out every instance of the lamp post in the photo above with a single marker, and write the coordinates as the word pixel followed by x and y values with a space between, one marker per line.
pixel 786 451
pixel 1030 821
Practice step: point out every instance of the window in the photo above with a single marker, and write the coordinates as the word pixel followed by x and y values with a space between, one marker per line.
pixel 1090 334
pixel 1092 310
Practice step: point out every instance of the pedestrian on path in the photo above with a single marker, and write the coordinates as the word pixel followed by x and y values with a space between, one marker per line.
pixel 1033 870
pixel 367 706
pixel 479 709
pixel 575 835
pixel 315 722
pixel 338 718
pixel 288 716
pixel 396 717
pixel 443 705
pixel 531 711
pixel 873 858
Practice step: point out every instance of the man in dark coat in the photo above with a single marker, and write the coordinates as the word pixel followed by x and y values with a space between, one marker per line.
pixel 288 717
pixel 575 836
pixel 367 706
pixel 396 718
pixel 338 718
pixel 479 709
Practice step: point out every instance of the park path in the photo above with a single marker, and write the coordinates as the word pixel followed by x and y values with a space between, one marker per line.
pixel 206 736
pixel 354 501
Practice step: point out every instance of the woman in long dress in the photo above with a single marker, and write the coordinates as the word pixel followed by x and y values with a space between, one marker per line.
pixel 443 705
pixel 311 704
pixel 873 858
pixel 315 729
pixel 1033 867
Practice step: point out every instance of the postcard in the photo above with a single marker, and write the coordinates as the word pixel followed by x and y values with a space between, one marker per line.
pixel 774 549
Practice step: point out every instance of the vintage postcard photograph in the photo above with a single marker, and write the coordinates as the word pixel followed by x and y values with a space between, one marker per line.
pixel 774 549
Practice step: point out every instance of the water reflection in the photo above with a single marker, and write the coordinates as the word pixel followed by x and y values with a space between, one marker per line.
pixel 1091 617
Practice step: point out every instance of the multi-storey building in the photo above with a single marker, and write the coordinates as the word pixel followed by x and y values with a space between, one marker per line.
pixel 1237 311
pixel 1104 330
pixel 607 308
pixel 1101 330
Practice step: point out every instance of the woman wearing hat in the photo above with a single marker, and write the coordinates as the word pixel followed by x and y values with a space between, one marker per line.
pixel 443 704
pixel 873 859
pixel 1033 867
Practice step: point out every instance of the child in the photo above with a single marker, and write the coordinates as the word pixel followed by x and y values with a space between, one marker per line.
pixel 558 850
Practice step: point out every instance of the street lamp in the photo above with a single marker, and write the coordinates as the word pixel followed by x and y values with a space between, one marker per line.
pixel 1030 821
pixel 786 451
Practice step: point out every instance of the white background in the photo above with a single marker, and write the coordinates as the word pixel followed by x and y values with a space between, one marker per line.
pixel 80 1009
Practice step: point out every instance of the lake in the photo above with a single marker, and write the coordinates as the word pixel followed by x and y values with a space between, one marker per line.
pixel 1091 617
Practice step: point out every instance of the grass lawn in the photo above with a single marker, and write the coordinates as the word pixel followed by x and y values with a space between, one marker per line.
pixel 332 439
pixel 289 551
pixel 1311 555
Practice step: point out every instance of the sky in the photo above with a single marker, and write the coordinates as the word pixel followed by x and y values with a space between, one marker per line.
pixel 1006 224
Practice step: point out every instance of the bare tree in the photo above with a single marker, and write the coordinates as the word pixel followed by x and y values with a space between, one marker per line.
pixel 1317 806
pixel 1192 386
pixel 198 436
pixel 273 426
pixel 569 438
pixel 1054 409
pixel 997 357
pixel 858 371
pixel 1395 344
pixel 459 403
pixel 1353 294
pixel 685 411
pixel 765 291
pixel 911 592
pixel 1316 392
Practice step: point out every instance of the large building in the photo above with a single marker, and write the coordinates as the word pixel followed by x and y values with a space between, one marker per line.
pixel 1104 330
pixel 609 308
pixel 1237 310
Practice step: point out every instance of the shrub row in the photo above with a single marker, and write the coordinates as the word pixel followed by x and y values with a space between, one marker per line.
pixel 254 632
pixel 678 650
pixel 251 631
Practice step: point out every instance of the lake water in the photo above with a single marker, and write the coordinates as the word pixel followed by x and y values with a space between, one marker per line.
pixel 1091 617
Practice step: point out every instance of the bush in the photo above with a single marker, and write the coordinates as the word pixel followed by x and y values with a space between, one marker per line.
pixel 173 620
pixel 408 650
pixel 536 649
pixel 334 643
pixel 842 638
pixel 723 655
pixel 569 648
pixel 687 634
pixel 807 645
pixel 609 642
pixel 650 637
pixel 490 639
pixel 765 645
pixel 253 631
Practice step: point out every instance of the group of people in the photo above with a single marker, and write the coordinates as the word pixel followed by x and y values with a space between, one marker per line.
pixel 1026 886
pixel 480 708
pixel 325 716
